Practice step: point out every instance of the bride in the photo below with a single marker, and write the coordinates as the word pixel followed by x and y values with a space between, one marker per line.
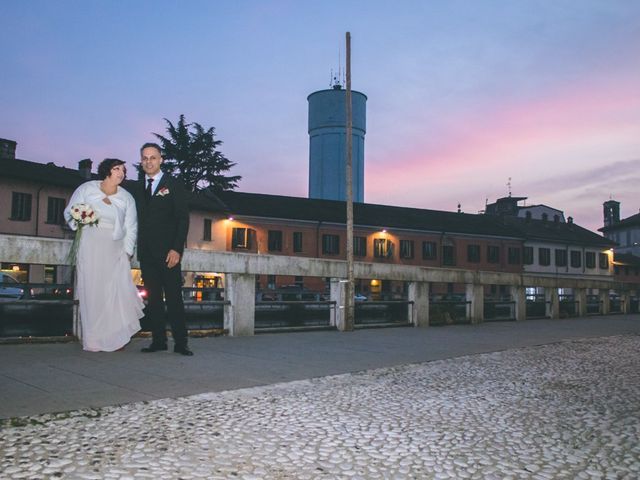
pixel 110 308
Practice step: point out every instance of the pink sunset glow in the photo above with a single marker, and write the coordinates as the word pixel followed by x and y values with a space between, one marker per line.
pixel 565 132
pixel 463 97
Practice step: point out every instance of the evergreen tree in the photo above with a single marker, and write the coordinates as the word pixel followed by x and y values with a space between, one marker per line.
pixel 192 152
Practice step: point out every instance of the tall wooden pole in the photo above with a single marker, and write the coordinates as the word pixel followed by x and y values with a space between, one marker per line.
pixel 349 313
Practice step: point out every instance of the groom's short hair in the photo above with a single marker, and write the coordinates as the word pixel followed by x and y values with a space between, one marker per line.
pixel 152 145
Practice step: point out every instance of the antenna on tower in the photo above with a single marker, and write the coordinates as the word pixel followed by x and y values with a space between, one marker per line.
pixel 509 186
pixel 337 79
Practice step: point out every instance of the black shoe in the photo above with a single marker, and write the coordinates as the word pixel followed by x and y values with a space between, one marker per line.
pixel 182 351
pixel 154 348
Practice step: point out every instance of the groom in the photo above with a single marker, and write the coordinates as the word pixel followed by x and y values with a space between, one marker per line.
pixel 163 223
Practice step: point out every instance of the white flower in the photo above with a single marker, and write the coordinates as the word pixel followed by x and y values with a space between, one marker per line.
pixel 83 214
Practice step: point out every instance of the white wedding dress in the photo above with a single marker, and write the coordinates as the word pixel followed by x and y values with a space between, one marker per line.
pixel 110 307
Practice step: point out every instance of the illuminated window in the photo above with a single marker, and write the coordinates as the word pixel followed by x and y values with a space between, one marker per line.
pixel 50 274
pixel 604 260
pixel 382 248
pixel 241 238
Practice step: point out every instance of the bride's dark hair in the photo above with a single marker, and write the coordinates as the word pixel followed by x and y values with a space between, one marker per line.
pixel 104 169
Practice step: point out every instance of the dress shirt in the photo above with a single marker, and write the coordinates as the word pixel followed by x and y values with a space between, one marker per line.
pixel 156 181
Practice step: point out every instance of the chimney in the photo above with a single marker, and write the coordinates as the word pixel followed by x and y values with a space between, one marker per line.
pixel 570 220
pixel 84 167
pixel 7 149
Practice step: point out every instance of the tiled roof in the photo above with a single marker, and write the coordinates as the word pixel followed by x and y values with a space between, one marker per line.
pixel 632 221
pixel 332 211
pixel 626 259
pixel 385 216
pixel 364 214
pixel 51 174
pixel 42 173
pixel 556 232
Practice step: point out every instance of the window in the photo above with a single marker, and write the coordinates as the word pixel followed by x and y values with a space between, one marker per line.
pixel 50 274
pixel 406 248
pixel 527 255
pixel 448 255
pixel 576 258
pixel 604 260
pixel 274 240
pixel 299 281
pixel 331 244
pixel 544 256
pixel 513 256
pixel 493 254
pixel 590 259
pixel 360 246
pixel 55 209
pixel 561 257
pixel 240 238
pixel 473 253
pixel 206 232
pixel 382 248
pixel 271 282
pixel 297 241
pixel 21 206
pixel 429 250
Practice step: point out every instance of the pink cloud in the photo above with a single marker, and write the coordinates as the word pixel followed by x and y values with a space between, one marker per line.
pixel 560 132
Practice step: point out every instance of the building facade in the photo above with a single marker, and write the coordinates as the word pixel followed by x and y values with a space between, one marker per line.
pixel 33 196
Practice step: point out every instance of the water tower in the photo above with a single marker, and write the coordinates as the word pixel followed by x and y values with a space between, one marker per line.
pixel 327 143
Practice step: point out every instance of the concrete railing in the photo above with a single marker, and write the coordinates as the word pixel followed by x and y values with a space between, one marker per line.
pixel 240 270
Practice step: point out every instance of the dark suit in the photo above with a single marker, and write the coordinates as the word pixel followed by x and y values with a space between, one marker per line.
pixel 163 223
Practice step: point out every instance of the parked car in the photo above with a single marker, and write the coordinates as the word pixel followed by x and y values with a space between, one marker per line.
pixel 9 287
pixel 358 297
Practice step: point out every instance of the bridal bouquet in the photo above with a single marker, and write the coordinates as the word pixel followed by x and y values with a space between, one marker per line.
pixel 81 215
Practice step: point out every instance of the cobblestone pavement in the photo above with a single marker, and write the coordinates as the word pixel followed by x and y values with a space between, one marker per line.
pixel 562 411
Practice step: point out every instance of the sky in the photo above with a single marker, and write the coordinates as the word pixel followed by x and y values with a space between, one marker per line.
pixel 467 100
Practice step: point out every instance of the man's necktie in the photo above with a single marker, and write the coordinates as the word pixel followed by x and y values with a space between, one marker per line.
pixel 148 189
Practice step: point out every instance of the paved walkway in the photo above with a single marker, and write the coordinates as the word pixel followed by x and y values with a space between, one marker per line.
pixel 544 411
pixel 45 378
